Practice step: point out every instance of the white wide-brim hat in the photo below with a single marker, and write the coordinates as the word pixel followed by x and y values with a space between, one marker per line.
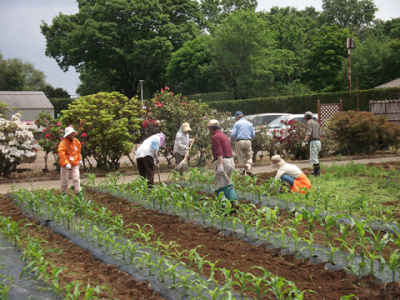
pixel 186 127
pixel 277 162
pixel 68 131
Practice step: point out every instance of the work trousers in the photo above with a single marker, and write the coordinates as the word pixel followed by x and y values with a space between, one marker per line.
pixel 243 153
pixel 315 148
pixel 146 167
pixel 66 174
pixel 220 180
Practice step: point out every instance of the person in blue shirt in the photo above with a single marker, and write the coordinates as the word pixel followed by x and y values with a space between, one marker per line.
pixel 243 134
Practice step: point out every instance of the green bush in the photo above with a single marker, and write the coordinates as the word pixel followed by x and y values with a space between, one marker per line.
pixel 299 104
pixel 362 132
pixel 212 97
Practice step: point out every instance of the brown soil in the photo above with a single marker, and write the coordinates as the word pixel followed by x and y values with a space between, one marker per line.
pixel 234 253
pixel 79 262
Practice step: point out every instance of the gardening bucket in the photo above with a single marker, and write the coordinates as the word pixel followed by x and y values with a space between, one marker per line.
pixel 229 192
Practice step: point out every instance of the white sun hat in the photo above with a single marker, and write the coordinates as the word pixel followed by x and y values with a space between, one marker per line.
pixel 68 131
pixel 277 162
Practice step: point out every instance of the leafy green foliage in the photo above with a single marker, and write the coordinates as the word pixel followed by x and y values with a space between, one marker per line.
pixel 211 97
pixel 121 40
pixel 109 123
pixel 16 75
pixel 328 52
pixel 301 103
pixel 52 92
pixel 362 132
pixel 190 69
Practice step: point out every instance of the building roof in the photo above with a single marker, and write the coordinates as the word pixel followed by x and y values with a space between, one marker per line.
pixel 26 100
pixel 393 83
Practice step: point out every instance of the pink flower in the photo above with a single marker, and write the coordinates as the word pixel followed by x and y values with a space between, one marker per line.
pixel 60 130
pixel 205 117
pixel 58 123
pixel 166 88
pixel 172 93
pixel 84 135
pixel 83 143
pixel 71 126
pixel 229 113
pixel 48 136
pixel 159 104
pixel 162 90
pixel 44 130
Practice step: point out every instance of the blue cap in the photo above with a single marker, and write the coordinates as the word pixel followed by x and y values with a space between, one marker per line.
pixel 238 113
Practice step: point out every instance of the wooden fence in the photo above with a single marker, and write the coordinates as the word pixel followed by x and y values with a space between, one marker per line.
pixel 389 108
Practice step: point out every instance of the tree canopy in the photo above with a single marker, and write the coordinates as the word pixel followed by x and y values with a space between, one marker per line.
pixel 17 75
pixel 122 40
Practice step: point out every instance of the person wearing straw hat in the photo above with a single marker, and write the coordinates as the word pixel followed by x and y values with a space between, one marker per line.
pixel 243 133
pixel 224 164
pixel 290 174
pixel 313 135
pixel 146 156
pixel 182 141
pixel 69 152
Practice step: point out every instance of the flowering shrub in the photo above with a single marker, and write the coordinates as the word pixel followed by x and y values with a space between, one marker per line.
pixel 362 132
pixel 54 134
pixel 108 126
pixel 15 142
pixel 172 111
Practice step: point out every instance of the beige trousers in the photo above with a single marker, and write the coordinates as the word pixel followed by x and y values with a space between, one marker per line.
pixel 243 153
pixel 66 174
pixel 220 180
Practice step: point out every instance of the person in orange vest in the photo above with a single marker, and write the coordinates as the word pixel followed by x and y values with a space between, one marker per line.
pixel 291 174
pixel 69 151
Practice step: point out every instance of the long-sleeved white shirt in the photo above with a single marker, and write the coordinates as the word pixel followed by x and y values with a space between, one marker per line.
pixel 181 138
pixel 289 169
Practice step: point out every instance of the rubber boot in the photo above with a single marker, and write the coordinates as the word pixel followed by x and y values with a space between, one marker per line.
pixel 317 170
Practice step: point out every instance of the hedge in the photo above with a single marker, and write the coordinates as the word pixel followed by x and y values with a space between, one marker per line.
pixel 211 97
pixel 302 103
pixel 60 104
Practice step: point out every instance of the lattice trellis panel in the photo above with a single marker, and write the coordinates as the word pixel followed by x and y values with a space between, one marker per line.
pixel 327 110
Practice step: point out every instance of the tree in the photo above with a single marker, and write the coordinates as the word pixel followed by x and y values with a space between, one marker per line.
pixel 190 69
pixel 352 14
pixel 324 64
pixel 51 92
pixel 16 75
pixel 122 40
pixel 242 49
pixel 93 82
pixel 373 63
pixel 214 11
pixel 109 125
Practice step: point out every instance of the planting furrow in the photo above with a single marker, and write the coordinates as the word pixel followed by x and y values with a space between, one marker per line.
pixel 232 252
pixel 165 275
pixel 79 263
pixel 285 237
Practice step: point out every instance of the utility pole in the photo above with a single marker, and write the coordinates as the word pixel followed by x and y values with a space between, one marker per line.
pixel 349 45
pixel 141 90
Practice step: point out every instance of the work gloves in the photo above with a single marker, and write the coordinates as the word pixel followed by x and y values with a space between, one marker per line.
pixel 183 147
pixel 220 170
pixel 190 141
pixel 68 166
pixel 80 163
pixel 304 144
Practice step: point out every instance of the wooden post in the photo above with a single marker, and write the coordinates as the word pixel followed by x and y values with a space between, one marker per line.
pixel 340 105
pixel 319 112
pixel 358 101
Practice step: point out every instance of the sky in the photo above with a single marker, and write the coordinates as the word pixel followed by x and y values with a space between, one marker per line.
pixel 20 35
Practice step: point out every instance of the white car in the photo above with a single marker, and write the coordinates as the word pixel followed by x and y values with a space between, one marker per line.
pixel 279 123
pixel 263 119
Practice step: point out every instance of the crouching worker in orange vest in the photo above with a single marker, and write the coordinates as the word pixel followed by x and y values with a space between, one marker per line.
pixel 291 174
pixel 69 151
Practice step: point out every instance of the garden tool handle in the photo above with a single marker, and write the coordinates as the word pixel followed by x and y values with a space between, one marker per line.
pixel 184 159
pixel 227 178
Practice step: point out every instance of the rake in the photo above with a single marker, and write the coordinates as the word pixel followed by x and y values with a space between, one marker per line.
pixel 183 165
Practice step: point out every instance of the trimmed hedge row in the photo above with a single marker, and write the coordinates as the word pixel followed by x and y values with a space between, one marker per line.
pixel 211 97
pixel 60 104
pixel 302 103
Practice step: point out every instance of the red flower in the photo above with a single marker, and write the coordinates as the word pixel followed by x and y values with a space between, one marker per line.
pixel 159 104
pixel 71 126
pixel 48 136
pixel 172 93
pixel 58 124
pixel 166 88
pixel 162 90
pixel 83 143
pixel 84 135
